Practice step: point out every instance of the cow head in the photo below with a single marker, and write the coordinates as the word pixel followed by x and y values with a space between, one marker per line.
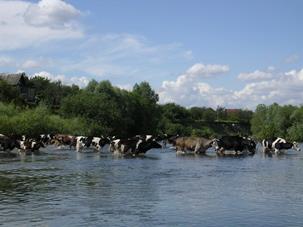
pixel 296 146
pixel 172 139
pixel 250 144
pixel 36 145
pixel 155 144
pixel 215 144
pixel 103 141
pixel 144 146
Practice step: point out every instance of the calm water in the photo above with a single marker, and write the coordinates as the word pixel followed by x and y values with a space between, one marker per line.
pixel 63 188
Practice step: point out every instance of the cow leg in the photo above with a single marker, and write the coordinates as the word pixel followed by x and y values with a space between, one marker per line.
pixel 221 151
pixel 197 149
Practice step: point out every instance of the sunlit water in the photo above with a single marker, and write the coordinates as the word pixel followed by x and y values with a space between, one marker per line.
pixel 65 188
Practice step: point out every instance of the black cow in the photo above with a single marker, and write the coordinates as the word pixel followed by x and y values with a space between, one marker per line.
pixel 7 143
pixel 277 144
pixel 236 143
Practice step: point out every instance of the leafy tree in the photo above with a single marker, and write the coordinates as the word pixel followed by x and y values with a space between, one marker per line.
pixel 9 93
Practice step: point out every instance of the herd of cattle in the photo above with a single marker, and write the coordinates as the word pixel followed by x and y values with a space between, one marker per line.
pixel 140 144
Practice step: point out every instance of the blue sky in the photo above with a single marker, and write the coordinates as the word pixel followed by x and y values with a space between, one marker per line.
pixel 194 52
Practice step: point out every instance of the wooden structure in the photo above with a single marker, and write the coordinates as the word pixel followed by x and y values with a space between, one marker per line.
pixel 21 82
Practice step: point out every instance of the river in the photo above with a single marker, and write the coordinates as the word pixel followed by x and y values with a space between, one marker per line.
pixel 65 188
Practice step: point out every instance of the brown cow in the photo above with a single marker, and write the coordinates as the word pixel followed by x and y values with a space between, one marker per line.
pixel 197 145
pixel 64 140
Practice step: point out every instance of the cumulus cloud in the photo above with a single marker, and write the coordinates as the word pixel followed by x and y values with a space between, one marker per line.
pixel 80 81
pixel 24 24
pixel 188 89
pixel 286 88
pixel 206 70
pixel 55 14
pixel 256 75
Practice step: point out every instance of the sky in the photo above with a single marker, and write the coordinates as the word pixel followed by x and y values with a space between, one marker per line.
pixel 234 54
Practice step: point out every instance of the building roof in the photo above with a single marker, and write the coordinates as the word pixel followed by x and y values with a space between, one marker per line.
pixel 233 110
pixel 12 78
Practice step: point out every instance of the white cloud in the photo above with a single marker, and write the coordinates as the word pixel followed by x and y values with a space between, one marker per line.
pixel 36 63
pixel 123 55
pixel 256 75
pixel 6 61
pixel 55 14
pixel 80 81
pixel 206 70
pixel 127 87
pixel 18 31
pixel 286 88
pixel 30 64
pixel 188 89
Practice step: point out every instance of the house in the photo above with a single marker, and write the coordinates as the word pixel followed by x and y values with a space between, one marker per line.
pixel 21 82
pixel 228 111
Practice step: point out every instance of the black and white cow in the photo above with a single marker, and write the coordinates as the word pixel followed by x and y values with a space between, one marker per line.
pixel 83 142
pixel 134 146
pixel 278 144
pixel 46 139
pixel 30 145
pixel 97 143
pixel 235 143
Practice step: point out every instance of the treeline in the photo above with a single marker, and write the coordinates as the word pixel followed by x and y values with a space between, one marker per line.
pixel 103 109
pixel 278 121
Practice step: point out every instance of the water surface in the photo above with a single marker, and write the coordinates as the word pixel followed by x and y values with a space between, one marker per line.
pixel 65 188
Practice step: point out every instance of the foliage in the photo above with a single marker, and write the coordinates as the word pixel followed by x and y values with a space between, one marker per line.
pixel 101 108
pixel 278 121
pixel 35 121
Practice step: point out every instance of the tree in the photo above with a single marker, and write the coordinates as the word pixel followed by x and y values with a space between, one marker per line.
pixel 147 112
pixel 9 93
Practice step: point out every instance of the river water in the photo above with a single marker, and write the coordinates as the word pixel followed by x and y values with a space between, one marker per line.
pixel 65 188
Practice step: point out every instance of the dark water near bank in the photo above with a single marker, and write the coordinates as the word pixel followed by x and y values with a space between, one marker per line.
pixel 63 188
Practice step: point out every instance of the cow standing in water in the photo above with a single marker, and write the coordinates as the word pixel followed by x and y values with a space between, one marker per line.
pixel 7 144
pixel 134 146
pixel 235 143
pixel 197 145
pixel 97 143
pixel 278 144
pixel 64 140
